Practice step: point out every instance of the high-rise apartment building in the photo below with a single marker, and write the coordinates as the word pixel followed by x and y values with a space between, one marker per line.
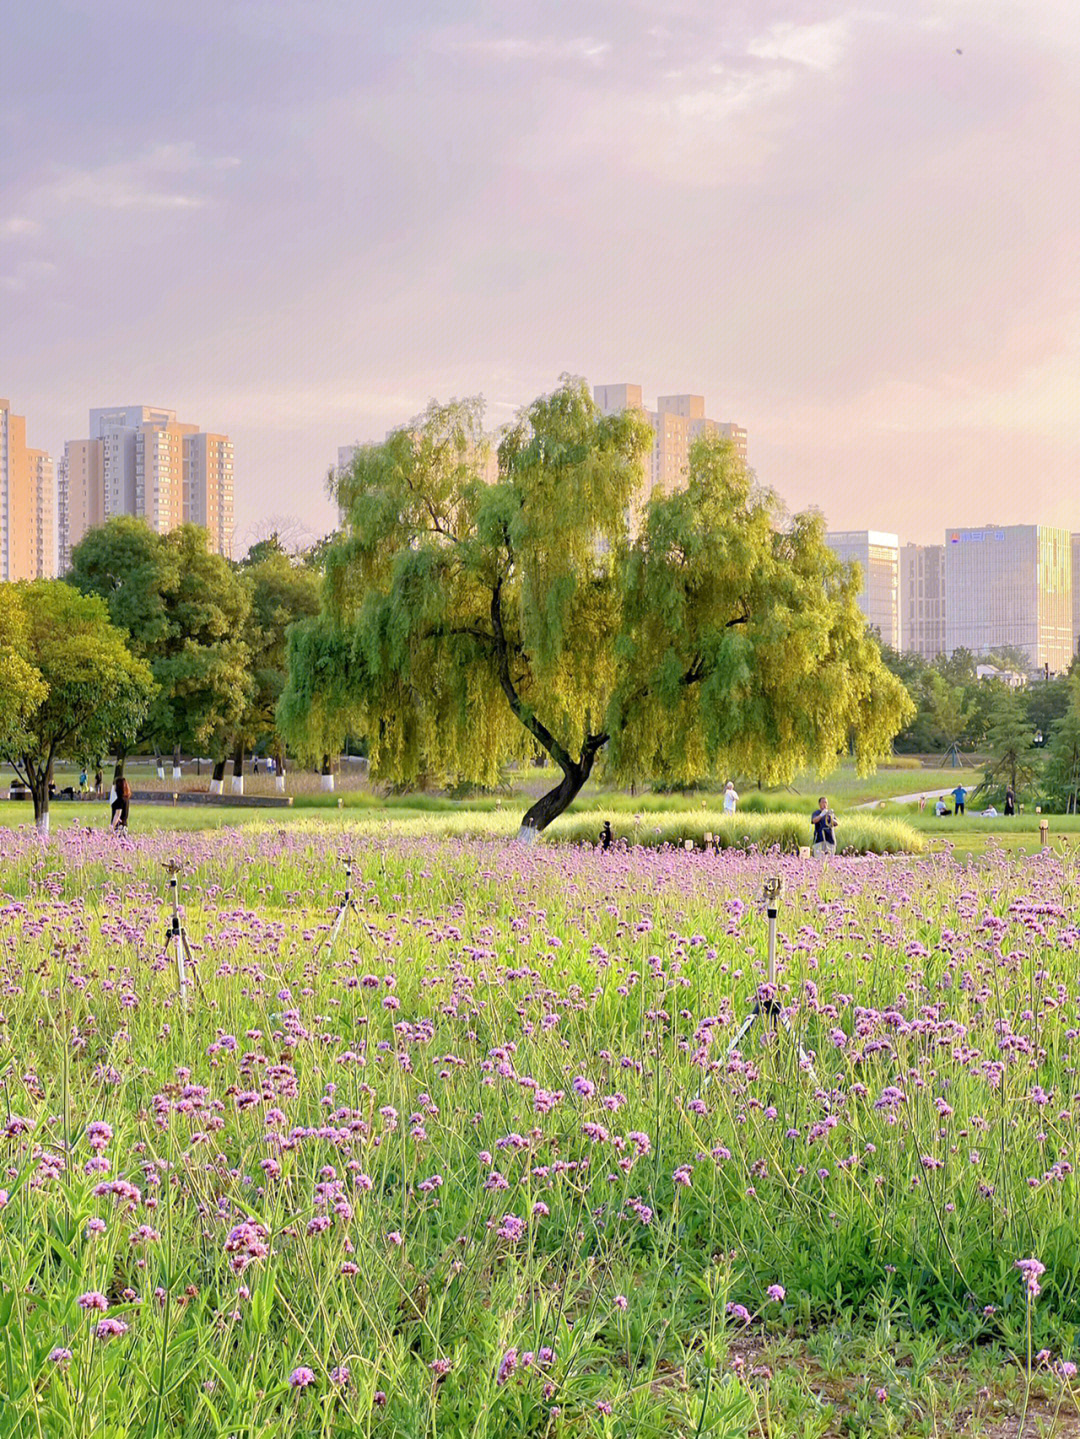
pixel 27 504
pixel 677 422
pixel 1010 586
pixel 81 494
pixel 922 599
pixel 140 461
pixel 1075 546
pixel 208 488
pixel 878 556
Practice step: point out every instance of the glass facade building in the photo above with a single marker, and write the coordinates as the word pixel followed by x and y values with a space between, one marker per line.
pixel 1010 585
pixel 922 599
pixel 878 556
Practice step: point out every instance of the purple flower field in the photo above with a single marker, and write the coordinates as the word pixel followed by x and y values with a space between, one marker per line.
pixel 487 1165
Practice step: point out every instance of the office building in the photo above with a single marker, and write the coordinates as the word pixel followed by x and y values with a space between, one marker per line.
pixel 140 461
pixel 1010 586
pixel 27 504
pixel 922 599
pixel 1075 547
pixel 878 557
pixel 677 422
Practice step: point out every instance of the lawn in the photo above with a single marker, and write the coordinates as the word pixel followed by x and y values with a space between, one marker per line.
pixel 488 1168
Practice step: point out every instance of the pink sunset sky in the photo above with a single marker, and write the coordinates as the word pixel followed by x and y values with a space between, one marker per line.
pixel 298 222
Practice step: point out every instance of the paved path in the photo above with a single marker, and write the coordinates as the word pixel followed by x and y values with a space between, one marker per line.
pixel 931 794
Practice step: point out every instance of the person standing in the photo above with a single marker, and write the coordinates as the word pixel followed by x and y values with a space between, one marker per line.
pixel 824 822
pixel 731 798
pixel 1010 800
pixel 98 783
pixel 122 805
pixel 959 794
pixel 605 835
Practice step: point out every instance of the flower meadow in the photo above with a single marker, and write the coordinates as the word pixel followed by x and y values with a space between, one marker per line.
pixel 486 1166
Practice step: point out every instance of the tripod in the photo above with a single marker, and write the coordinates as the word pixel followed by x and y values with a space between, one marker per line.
pixel 769 1010
pixel 175 936
pixel 348 906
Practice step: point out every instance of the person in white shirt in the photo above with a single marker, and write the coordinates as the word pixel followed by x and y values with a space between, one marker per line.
pixel 731 799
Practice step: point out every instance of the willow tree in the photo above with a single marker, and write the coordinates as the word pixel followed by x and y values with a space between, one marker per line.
pixel 475 618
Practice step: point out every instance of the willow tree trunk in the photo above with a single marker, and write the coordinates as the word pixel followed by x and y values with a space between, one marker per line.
pixel 327 773
pixel 279 769
pixel 177 772
pixel 549 806
pixel 217 779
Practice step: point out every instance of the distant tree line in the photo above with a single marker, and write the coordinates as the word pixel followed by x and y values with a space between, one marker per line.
pixel 149 643
pixel 1029 736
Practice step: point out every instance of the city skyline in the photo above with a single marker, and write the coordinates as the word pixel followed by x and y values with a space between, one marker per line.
pixel 855 240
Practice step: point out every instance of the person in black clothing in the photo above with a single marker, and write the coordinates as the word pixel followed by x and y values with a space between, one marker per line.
pixel 98 785
pixel 1010 800
pixel 121 804
pixel 605 835
pixel 824 822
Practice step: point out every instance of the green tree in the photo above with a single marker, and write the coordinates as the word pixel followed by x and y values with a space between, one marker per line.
pixel 282 592
pixel 1012 761
pixel 92 688
pixel 1047 701
pixel 319 705
pixel 22 687
pixel 470 623
pixel 1061 777
pixel 185 611
pixel 958 668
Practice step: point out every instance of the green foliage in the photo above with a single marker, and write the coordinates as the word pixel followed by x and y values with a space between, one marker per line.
pixel 91 689
pixel 281 593
pixel 741 642
pixel 185 611
pixel 22 688
pixel 470 623
pixel 1061 776
pixel 1009 738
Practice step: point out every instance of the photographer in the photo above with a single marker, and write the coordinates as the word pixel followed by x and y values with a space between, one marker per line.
pixel 824 822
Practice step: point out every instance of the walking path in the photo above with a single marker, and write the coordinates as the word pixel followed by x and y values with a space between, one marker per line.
pixel 931 794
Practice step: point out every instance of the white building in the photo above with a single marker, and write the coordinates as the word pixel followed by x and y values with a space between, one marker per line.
pixel 878 557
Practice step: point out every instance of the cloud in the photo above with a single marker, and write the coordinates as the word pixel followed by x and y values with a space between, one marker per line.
pixel 820 46
pixel 508 48
pixel 164 177
pixel 160 179
pixel 26 275
pixel 16 227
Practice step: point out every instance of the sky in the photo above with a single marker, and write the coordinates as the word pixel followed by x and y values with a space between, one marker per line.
pixel 854 229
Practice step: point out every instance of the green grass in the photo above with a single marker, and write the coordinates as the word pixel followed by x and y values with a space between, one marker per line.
pixel 546 1031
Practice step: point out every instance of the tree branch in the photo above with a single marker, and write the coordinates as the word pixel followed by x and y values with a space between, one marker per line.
pixel 439 525
pixel 536 728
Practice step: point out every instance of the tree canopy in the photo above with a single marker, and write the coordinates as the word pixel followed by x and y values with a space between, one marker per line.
pixel 22 687
pixel 89 688
pixel 281 591
pixel 468 622
pixel 185 610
